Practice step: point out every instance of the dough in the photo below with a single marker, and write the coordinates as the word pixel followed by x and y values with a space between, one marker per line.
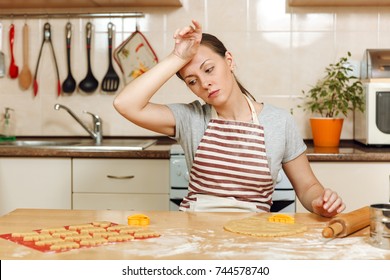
pixel 260 226
pixel 104 224
pixel 120 237
pixel 64 246
pixel 145 234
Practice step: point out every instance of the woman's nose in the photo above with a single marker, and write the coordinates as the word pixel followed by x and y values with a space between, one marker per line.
pixel 206 83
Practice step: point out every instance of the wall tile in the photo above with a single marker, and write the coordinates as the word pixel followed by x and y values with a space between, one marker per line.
pixel 279 51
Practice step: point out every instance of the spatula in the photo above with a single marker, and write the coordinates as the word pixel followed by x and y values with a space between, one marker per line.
pixel 2 62
pixel 110 81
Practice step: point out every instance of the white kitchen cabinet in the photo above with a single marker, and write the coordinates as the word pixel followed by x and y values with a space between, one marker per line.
pixel 80 6
pixel 35 183
pixel 337 3
pixel 121 184
pixel 358 183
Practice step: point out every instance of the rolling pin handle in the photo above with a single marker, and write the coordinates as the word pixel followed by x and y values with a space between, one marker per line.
pixel 327 232
pixel 333 230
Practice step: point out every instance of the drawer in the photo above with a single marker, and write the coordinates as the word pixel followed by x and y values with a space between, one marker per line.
pixel 121 176
pixel 138 202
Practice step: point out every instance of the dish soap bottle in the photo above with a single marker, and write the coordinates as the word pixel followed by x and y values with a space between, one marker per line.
pixel 6 127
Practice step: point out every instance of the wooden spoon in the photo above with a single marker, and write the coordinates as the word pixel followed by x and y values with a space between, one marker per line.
pixel 25 76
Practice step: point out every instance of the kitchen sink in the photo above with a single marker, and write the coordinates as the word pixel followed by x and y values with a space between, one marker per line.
pixel 38 143
pixel 107 144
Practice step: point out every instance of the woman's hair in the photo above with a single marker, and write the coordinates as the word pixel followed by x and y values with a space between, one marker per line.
pixel 219 48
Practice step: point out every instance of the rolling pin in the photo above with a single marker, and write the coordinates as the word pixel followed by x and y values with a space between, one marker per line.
pixel 345 224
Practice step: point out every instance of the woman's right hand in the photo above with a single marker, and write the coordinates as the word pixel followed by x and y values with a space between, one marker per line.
pixel 187 41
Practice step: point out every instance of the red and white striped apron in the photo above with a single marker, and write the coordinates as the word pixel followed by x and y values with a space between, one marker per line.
pixel 230 171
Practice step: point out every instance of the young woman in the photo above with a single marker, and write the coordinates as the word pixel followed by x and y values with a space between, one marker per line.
pixel 234 145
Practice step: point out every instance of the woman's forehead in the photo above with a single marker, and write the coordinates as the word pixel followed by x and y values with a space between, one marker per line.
pixel 204 55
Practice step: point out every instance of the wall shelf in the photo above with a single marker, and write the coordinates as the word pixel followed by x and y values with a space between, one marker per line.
pixel 338 3
pixel 23 7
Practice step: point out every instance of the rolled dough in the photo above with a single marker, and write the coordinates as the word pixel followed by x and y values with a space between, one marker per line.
pixel 260 226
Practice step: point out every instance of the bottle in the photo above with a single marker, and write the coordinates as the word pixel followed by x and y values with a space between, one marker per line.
pixel 6 127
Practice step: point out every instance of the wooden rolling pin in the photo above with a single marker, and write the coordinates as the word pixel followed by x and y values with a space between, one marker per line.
pixel 345 224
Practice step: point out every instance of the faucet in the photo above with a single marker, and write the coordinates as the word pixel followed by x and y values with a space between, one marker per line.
pixel 97 123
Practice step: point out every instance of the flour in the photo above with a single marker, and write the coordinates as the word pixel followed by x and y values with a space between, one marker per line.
pixel 185 243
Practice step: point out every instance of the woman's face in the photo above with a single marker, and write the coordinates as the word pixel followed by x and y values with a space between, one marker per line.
pixel 209 75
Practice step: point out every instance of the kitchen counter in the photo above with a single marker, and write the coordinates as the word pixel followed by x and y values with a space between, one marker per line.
pixel 161 150
pixel 348 151
pixel 187 236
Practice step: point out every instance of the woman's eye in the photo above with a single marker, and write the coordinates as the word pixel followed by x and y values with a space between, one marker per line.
pixel 191 82
pixel 210 69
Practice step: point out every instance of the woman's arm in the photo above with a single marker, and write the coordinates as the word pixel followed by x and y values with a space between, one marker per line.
pixel 313 196
pixel 133 101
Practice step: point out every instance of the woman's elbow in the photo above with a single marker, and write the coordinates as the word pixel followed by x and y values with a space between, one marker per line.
pixel 119 105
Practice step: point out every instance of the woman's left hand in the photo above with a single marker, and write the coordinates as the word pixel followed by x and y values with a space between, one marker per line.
pixel 328 204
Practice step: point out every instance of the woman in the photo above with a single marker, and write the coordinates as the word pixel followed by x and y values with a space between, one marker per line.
pixel 234 146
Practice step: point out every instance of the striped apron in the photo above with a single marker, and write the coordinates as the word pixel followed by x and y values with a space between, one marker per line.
pixel 230 172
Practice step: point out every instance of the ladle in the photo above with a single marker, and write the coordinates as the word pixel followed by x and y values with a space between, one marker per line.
pixel 89 84
pixel 25 76
pixel 69 84
pixel 13 68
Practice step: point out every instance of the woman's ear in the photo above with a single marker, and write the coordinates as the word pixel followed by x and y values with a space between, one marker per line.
pixel 230 60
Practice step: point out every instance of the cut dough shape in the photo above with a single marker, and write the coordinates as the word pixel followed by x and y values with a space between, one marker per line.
pixel 145 234
pixel 37 237
pixel 50 241
pixel 259 226
pixel 102 224
pixel 120 237
pixel 93 241
pixel 64 246
pixel 80 227
pixel 23 234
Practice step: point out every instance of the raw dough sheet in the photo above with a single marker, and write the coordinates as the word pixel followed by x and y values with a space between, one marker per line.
pixel 260 226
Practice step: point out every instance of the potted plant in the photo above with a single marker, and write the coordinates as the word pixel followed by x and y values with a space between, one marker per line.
pixel 338 93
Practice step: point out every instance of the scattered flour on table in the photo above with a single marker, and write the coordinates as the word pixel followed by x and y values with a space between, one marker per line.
pixel 178 243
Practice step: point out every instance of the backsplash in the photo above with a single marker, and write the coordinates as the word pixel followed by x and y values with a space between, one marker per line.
pixel 279 52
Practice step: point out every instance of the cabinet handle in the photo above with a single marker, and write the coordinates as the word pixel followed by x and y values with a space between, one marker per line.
pixel 120 177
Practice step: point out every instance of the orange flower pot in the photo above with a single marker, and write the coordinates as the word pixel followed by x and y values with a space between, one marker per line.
pixel 326 131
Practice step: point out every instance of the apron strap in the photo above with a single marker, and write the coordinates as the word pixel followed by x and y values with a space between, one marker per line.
pixel 255 119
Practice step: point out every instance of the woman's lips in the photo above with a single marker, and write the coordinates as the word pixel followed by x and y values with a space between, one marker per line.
pixel 213 93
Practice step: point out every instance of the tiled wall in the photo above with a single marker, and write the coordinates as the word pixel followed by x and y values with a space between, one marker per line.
pixel 278 50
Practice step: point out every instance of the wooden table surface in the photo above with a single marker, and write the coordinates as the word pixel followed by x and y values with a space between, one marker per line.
pixel 187 236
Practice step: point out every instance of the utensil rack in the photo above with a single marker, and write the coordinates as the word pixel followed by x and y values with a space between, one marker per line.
pixel 72 15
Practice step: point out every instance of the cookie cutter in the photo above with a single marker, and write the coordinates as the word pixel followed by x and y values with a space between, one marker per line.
pixel 281 218
pixel 138 220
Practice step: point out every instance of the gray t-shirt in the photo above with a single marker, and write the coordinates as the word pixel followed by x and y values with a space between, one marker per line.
pixel 283 141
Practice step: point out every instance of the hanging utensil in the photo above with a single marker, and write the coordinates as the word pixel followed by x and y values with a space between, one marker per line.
pixel 25 77
pixel 2 61
pixel 89 84
pixel 111 80
pixel 69 85
pixel 13 68
pixel 46 39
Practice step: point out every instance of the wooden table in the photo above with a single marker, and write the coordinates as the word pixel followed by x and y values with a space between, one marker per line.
pixel 187 236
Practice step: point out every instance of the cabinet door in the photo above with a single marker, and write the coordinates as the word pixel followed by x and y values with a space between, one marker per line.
pixel 121 176
pixel 35 183
pixel 358 183
pixel 121 184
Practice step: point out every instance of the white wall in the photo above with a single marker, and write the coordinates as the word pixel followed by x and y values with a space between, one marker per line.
pixel 279 51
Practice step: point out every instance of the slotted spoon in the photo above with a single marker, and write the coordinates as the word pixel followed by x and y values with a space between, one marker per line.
pixel 111 80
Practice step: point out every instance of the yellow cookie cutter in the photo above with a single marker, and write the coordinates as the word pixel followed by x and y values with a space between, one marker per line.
pixel 138 220
pixel 281 218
